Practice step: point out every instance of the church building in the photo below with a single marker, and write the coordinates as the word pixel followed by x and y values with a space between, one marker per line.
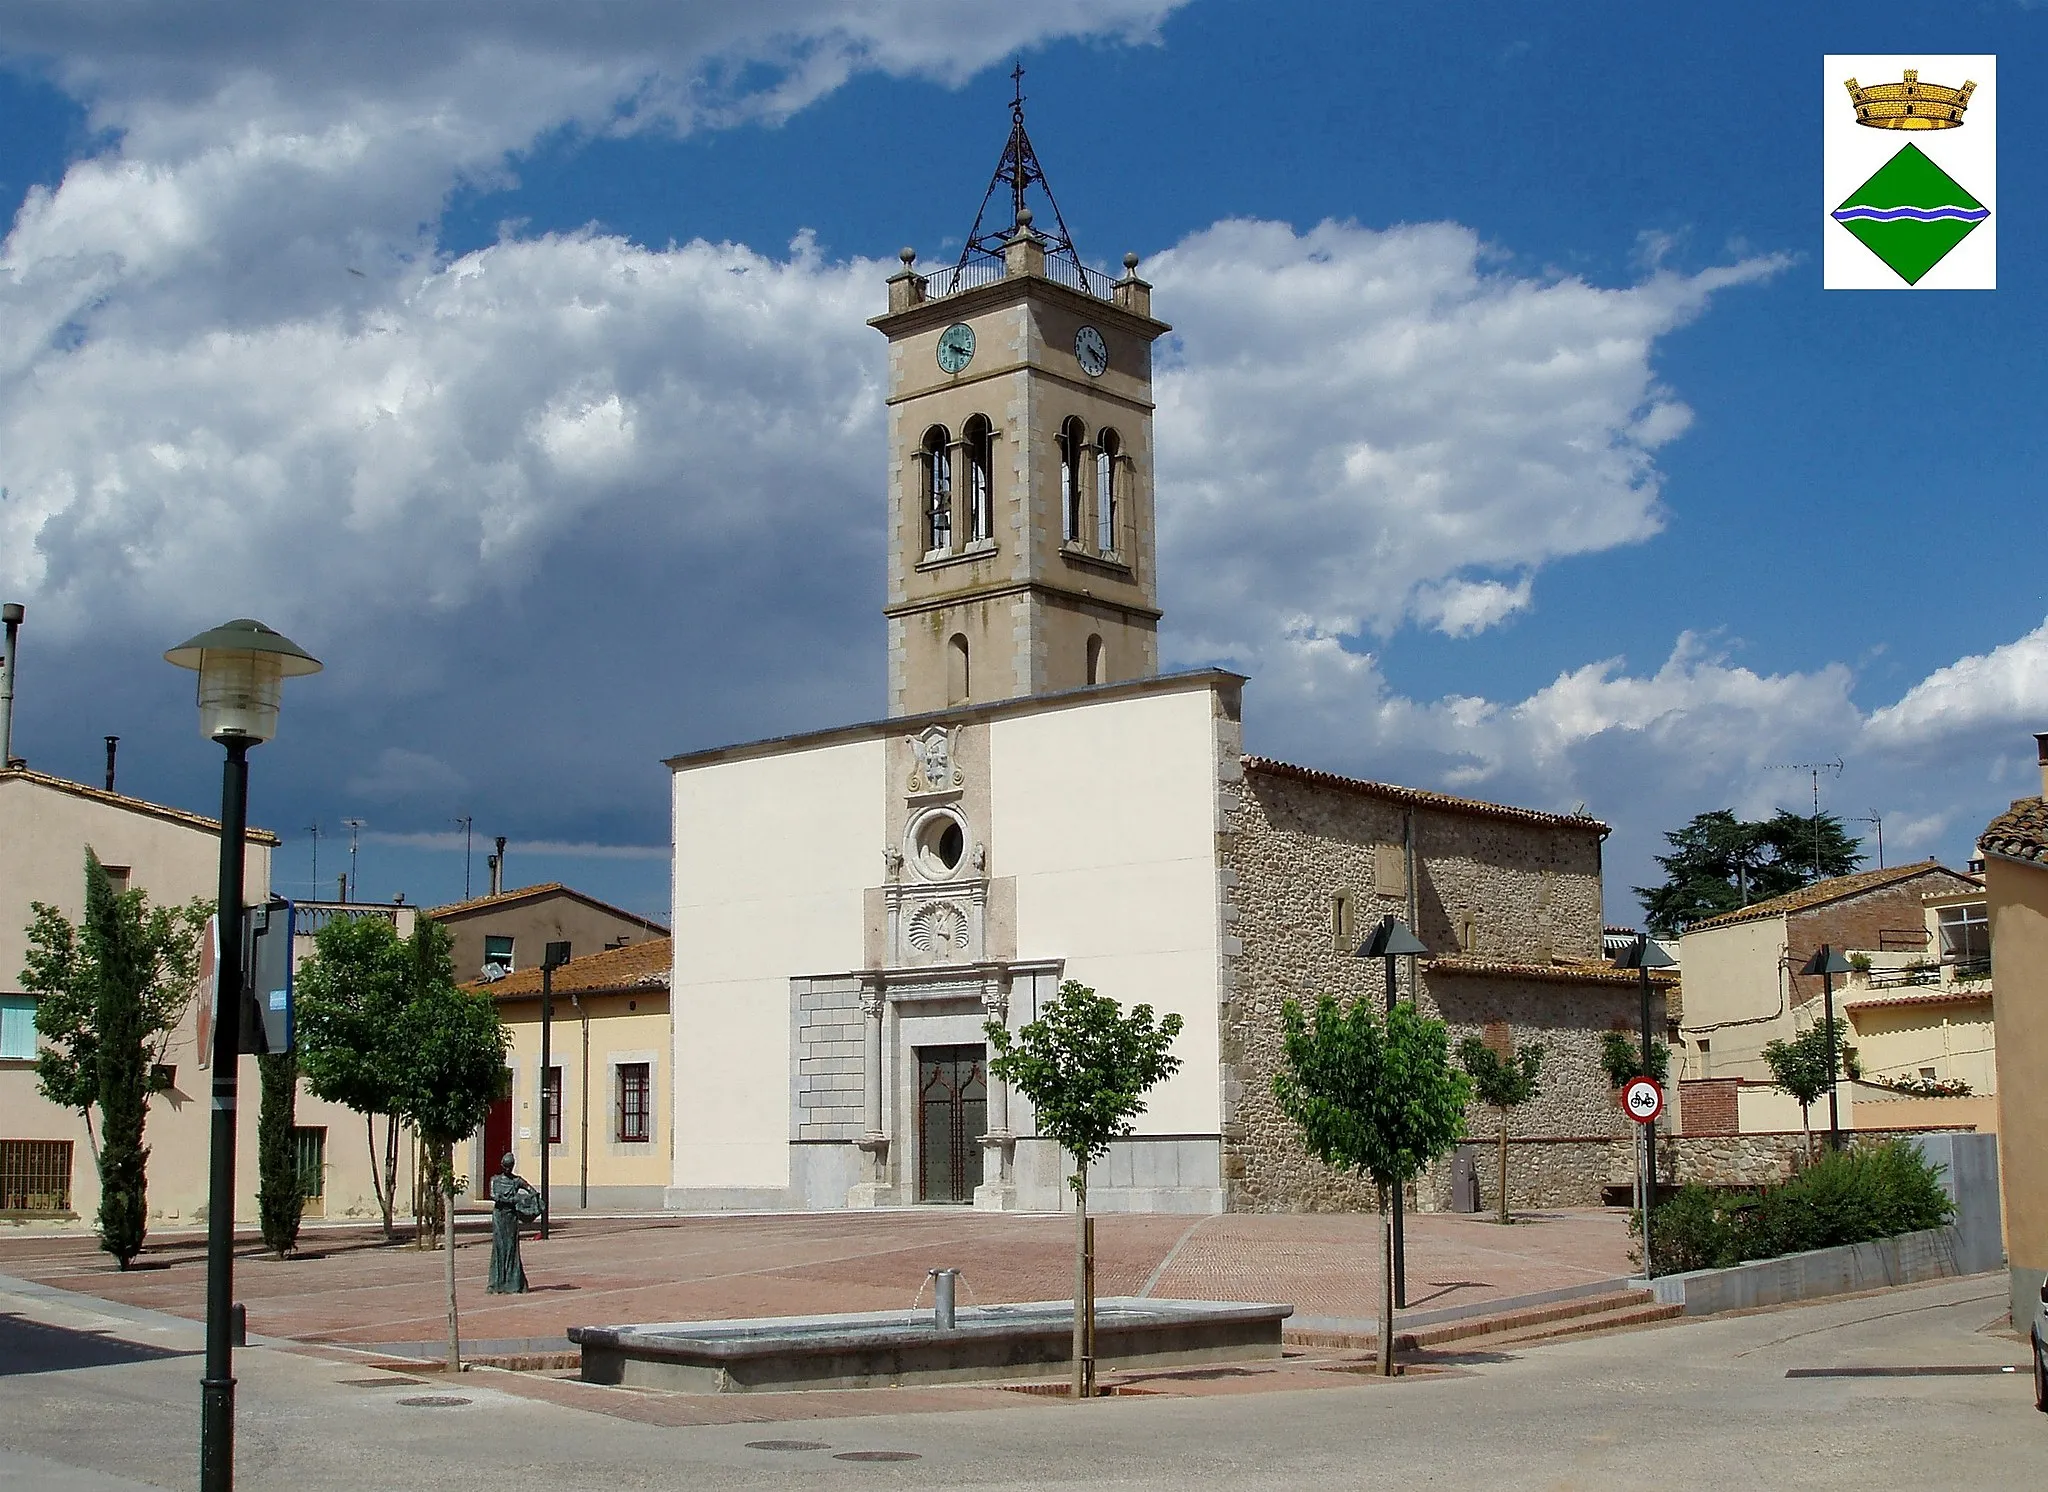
pixel 1041 804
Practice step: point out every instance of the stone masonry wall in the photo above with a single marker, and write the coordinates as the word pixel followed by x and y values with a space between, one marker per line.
pixel 826 1093
pixel 1527 890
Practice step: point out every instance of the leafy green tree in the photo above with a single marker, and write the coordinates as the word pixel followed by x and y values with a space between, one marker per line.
pixel 1800 1067
pixel 1720 863
pixel 280 1188
pixel 350 999
pixel 1378 1097
pixel 456 1044
pixel 60 972
pixel 1086 1066
pixel 1621 1058
pixel 1504 1083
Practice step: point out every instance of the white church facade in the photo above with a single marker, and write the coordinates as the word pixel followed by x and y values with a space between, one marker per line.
pixel 1039 804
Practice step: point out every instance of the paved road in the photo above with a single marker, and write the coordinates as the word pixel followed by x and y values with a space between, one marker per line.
pixel 1704 1402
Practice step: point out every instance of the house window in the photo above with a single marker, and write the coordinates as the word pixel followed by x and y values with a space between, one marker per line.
pixel 17 1028
pixel 35 1175
pixel 1073 437
pixel 118 876
pixel 1965 938
pixel 636 1093
pixel 1096 674
pixel 311 1147
pixel 1343 923
pixel 1107 494
pixel 497 957
pixel 938 491
pixel 1706 1058
pixel 553 1099
pixel 980 443
pixel 958 685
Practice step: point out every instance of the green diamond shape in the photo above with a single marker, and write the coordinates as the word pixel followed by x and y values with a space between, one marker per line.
pixel 1910 214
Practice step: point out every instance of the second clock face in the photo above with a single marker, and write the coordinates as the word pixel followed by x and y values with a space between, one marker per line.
pixel 956 347
pixel 1091 351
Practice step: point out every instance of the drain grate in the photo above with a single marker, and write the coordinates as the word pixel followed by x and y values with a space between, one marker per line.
pixel 878 1456
pixel 1943 1370
pixel 433 1401
pixel 787 1445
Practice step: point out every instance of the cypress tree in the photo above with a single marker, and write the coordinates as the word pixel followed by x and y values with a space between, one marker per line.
pixel 280 1189
pixel 112 944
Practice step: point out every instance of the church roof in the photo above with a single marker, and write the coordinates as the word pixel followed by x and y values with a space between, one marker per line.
pixel 1576 971
pixel 1423 798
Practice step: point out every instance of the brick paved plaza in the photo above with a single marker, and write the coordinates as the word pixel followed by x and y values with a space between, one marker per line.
pixel 348 1287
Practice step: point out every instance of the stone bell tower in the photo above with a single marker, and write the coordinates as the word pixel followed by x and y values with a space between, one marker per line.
pixel 1022 554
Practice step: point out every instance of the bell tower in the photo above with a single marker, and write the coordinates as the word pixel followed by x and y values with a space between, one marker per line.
pixel 1022 557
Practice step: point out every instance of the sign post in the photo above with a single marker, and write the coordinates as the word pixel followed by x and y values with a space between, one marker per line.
pixel 1642 1099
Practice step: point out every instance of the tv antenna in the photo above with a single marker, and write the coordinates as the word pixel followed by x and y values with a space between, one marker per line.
pixel 466 823
pixel 354 828
pixel 314 830
pixel 1874 817
pixel 1812 769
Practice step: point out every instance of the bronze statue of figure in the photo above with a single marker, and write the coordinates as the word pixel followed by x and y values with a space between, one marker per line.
pixel 513 1201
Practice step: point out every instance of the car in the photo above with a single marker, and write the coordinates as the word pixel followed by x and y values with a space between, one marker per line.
pixel 2040 1337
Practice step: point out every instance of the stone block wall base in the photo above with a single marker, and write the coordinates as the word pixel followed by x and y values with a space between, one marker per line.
pixel 871 1194
pixel 995 1196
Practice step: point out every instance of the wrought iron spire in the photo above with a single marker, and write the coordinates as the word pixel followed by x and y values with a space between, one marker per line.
pixel 1018 170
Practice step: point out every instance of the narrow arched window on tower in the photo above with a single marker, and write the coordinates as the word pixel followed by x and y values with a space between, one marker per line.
pixel 979 440
pixel 1073 437
pixel 957 684
pixel 938 490
pixel 1108 452
pixel 1098 673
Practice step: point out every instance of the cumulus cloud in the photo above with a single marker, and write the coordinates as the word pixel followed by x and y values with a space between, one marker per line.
pixel 2005 689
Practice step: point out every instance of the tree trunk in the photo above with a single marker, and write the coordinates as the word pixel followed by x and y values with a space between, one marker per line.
pixel 1806 1124
pixel 448 1260
pixel 376 1174
pixel 1504 1166
pixel 390 1173
pixel 1386 1363
pixel 1083 1368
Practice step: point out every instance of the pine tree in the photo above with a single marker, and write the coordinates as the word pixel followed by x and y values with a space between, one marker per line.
pixel 112 946
pixel 1720 863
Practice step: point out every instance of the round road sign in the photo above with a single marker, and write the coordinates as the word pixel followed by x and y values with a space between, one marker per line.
pixel 1643 1100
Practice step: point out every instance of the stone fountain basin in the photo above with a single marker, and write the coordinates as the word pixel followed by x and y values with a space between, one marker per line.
pixel 880 1349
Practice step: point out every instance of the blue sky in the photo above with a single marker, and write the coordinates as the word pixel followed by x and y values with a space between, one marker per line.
pixel 512 361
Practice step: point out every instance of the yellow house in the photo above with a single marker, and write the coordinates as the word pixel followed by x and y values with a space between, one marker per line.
pixel 611 1142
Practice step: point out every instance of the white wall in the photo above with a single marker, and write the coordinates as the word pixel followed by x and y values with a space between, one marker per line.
pixel 1106 816
pixel 772 856
pixel 1735 994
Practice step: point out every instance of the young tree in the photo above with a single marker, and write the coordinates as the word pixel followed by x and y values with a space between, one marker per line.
pixel 113 946
pixel 1505 1083
pixel 280 1189
pixel 350 999
pixel 457 1046
pixel 1720 863
pixel 65 982
pixel 1086 1067
pixel 1800 1067
pixel 1378 1097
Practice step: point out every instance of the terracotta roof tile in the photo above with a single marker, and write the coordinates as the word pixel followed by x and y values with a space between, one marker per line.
pixel 1972 996
pixel 534 893
pixel 2020 833
pixel 637 966
pixel 133 805
pixel 1820 893
pixel 1423 798
pixel 1584 971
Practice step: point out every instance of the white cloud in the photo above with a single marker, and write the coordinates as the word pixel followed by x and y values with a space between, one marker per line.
pixel 2005 689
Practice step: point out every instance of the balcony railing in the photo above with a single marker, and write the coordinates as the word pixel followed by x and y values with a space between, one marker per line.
pixel 977 272
pixel 309 917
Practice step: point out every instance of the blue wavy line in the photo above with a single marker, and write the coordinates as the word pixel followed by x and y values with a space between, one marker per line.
pixel 1916 214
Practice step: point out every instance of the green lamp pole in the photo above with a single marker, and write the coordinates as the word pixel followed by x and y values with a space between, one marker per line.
pixel 242 667
pixel 1827 963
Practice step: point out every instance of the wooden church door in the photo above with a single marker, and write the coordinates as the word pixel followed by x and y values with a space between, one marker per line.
pixel 952 1109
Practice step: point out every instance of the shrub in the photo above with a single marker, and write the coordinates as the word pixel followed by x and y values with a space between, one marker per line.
pixel 1851 1196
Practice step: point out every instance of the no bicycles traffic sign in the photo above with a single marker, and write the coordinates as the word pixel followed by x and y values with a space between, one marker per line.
pixel 1643 1100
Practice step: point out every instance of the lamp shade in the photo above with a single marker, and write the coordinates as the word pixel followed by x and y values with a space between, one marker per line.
pixel 1826 961
pixel 242 666
pixel 1391 939
pixel 1644 953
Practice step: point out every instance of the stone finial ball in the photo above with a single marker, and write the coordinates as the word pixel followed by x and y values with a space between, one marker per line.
pixel 908 255
pixel 1024 217
pixel 1130 261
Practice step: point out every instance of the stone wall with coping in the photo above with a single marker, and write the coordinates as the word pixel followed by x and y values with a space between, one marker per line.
pixel 827 1094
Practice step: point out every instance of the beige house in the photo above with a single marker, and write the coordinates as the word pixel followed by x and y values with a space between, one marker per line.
pixel 47 1172
pixel 609 1056
pixel 509 931
pixel 851 905
pixel 2015 850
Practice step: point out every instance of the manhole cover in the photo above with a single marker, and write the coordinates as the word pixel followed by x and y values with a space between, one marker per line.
pixel 878 1456
pixel 433 1401
pixel 787 1445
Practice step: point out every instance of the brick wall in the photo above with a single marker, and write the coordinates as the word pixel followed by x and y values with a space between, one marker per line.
pixel 1860 922
pixel 1709 1106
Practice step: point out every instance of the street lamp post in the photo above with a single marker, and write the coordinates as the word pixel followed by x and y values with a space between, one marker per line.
pixel 241 668
pixel 1644 955
pixel 555 956
pixel 1827 963
pixel 1389 941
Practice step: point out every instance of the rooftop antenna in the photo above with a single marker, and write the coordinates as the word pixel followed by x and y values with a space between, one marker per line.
pixel 314 830
pixel 1874 817
pixel 1813 769
pixel 355 827
pixel 467 823
pixel 1018 170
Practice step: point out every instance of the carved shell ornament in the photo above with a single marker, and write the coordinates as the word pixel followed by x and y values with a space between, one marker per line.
pixel 936 928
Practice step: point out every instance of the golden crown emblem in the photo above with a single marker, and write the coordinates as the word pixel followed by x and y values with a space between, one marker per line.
pixel 1910 104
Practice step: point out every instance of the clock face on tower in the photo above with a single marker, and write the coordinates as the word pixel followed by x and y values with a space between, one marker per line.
pixel 1091 351
pixel 956 347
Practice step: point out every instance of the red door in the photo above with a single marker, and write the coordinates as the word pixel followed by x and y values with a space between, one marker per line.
pixel 497 1140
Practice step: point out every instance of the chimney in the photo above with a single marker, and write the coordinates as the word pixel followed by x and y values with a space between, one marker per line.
pixel 112 743
pixel 10 614
pixel 341 887
pixel 497 863
pixel 2041 753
